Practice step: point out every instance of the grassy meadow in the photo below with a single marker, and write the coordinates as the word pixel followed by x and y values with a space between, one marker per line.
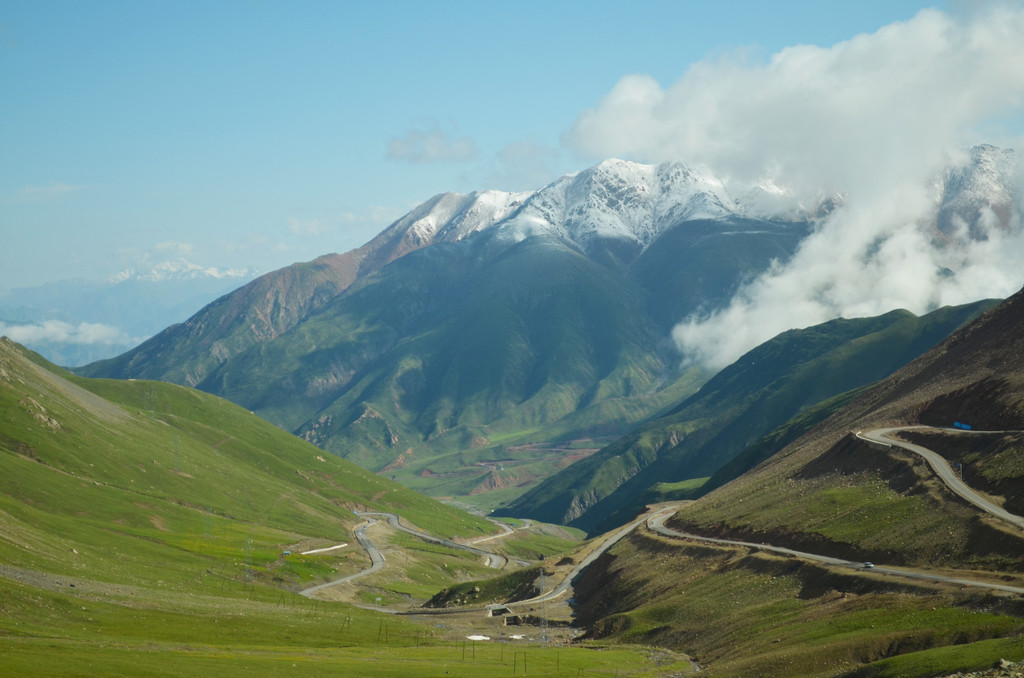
pixel 148 529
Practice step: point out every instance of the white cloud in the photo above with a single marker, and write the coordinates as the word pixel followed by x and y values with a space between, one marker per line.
pixel 826 115
pixel 846 270
pixel 60 332
pixel 431 143
pixel 874 117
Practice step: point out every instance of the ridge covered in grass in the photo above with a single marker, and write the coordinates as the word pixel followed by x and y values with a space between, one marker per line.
pixel 149 529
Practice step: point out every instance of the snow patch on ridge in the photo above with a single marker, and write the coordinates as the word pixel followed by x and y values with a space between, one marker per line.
pixel 178 269
pixel 450 217
pixel 618 199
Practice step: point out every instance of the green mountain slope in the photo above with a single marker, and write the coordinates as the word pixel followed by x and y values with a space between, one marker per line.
pixel 761 391
pixel 137 481
pixel 438 366
pixel 144 530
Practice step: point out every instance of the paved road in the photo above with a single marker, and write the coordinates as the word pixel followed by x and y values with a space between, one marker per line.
pixel 527 524
pixel 563 586
pixel 656 523
pixel 492 559
pixel 942 468
pixel 376 560
pixel 506 531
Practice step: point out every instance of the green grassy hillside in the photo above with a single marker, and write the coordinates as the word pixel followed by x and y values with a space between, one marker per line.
pixel 144 530
pixel 743 613
pixel 122 471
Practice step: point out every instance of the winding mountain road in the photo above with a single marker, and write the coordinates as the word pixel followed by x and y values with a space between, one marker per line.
pixel 377 558
pixel 492 559
pixel 883 436
pixel 506 531
pixel 376 561
pixel 562 587
pixel 945 472
pixel 656 523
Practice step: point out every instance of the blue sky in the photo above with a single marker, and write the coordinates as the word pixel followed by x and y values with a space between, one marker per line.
pixel 257 134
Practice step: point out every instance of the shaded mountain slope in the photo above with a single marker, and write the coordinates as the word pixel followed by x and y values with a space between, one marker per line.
pixel 494 341
pixel 478 322
pixel 747 400
pixel 695 268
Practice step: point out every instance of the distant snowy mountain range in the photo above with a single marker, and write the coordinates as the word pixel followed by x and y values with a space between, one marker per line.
pixel 73 322
pixel 980 194
pixel 181 269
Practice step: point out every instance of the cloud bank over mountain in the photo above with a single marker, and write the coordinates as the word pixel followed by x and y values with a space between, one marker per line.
pixel 63 332
pixel 875 118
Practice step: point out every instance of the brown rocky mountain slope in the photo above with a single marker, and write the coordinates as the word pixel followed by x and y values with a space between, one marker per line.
pixel 830 492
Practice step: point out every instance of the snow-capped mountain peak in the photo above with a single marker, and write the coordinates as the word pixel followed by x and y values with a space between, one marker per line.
pixel 978 195
pixel 619 199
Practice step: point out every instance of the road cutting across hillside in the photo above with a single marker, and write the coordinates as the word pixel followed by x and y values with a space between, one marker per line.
pixel 656 520
pixel 944 471
pixel 562 587
pixel 883 436
pixel 492 559
pixel 656 523
pixel 506 531
pixel 377 558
